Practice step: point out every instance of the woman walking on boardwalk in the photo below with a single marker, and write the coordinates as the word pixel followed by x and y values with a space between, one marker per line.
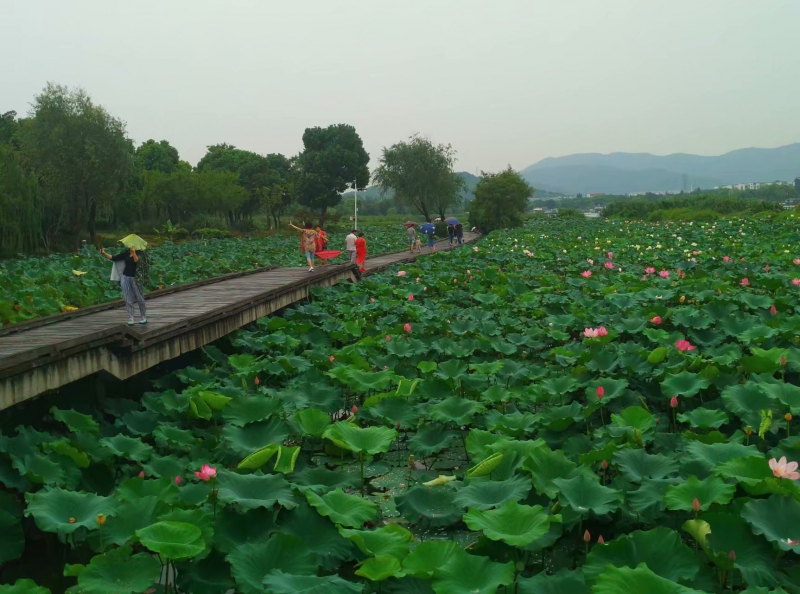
pixel 361 251
pixel 131 291
pixel 308 242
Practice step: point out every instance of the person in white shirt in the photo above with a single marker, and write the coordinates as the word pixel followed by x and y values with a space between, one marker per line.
pixel 350 242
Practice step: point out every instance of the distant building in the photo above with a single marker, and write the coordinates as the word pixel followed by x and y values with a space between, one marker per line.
pixel 797 185
pixel 754 185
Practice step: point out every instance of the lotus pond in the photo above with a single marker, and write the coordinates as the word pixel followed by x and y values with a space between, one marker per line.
pixel 561 409
pixel 32 287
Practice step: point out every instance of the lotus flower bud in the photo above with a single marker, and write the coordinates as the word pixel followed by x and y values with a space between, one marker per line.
pixel 604 464
pixel 788 416
pixel 141 474
pixel 256 381
pixel 783 360
pixel 332 359
pixel 773 310
pixel 407 327
pixel 388 338
pixel 354 409
pixel 695 505
pixel 748 431
pixel 673 402
pixel 101 519
pixel 600 540
pixel 732 555
pixel 178 480
pixel 587 537
pixel 600 392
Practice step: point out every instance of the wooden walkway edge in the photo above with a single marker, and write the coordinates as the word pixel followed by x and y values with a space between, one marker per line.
pixel 48 353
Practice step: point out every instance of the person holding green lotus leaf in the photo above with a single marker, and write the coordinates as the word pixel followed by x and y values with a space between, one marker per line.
pixel 131 291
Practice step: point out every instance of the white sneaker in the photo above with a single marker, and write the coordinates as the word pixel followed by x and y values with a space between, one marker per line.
pixel 311 269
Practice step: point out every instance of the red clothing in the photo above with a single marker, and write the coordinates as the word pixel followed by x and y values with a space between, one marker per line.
pixel 321 240
pixel 361 250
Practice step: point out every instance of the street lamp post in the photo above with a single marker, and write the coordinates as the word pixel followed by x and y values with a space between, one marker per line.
pixel 355 204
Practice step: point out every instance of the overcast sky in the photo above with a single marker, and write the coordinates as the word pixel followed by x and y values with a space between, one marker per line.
pixel 503 81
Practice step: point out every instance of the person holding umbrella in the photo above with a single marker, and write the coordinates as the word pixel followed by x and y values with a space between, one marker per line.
pixel 460 233
pixel 429 230
pixel 411 233
pixel 131 291
pixel 451 228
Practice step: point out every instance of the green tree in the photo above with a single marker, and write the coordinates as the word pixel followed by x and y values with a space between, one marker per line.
pixel 158 156
pixel 20 209
pixel 500 201
pixel 332 158
pixel 8 127
pixel 421 175
pixel 80 153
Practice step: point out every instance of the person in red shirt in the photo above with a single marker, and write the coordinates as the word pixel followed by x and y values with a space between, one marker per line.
pixel 361 251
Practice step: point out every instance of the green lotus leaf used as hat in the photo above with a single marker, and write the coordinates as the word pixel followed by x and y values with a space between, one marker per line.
pixel 134 241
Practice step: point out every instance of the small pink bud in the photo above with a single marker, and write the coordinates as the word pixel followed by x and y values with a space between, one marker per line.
pixel 600 540
pixel 407 327
pixel 783 360
pixel 141 474
pixel 673 402
pixel 354 409
pixel 600 392
pixel 388 338
pixel 332 359
pixel 604 465
pixel 732 555
pixel 411 297
pixel 372 299
pixel 695 505
pixel 773 310
pixel 256 381
pixel 178 480
pixel 587 537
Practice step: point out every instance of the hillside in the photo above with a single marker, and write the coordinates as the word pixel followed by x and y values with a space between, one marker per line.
pixel 622 173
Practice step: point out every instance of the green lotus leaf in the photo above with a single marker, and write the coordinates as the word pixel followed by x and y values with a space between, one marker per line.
pixel 746 400
pixel 141 422
pixel 251 409
pixel 660 549
pixel 287 458
pixel 563 582
pixel 214 400
pixel 41 470
pixel 251 563
pixel 23 587
pixel 483 495
pixel 613 388
pixel 75 421
pixel 243 441
pixel 683 384
pixel 199 408
pixel 584 494
pixel 364 381
pixel 427 366
pixel 348 510
pixel 788 394
pixel 559 385
pixel 167 436
pixel 396 409
pixel 370 440
pixel 135 487
pixel 649 498
pixel 514 424
pixel 312 422
pixel 514 524
pixel 471 574
pixel 61 511
pixel 127 447
pixel 12 536
pixel 284 583
pixel 117 571
pixel 320 479
pixel 172 540
pixel 453 369
pixel 63 447
pixel 624 580
pixel 636 465
pixel 455 410
pixel 429 506
pixel 392 541
pixel 657 355
pixel 196 517
pixel 708 456
pixel 777 519
pixel 319 534
pixel 211 575
pixel 704 418
pixel 169 466
pixel 251 491
pixel 754 558
pixel 750 471
pixel 485 466
pixel 431 439
pixel 428 557
pixel 545 466
pixel 630 420
pixel 707 492
pixel 131 516
pixel 377 569
pixel 233 527
pixel 259 458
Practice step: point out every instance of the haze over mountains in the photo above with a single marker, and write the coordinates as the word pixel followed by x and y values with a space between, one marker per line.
pixel 623 173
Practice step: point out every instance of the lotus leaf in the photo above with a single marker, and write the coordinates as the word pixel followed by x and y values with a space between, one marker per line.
pixel 468 574
pixel 583 495
pixel 284 583
pixel 431 507
pixel 707 492
pixel 483 495
pixel 64 512
pixel 563 582
pixel 348 510
pixel 251 563
pixel 369 440
pixel 172 540
pixel 625 580
pixel 117 571
pixel 251 491
pixel 428 557
pixel 514 524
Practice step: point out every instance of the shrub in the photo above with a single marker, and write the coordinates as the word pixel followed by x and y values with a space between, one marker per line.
pixel 208 233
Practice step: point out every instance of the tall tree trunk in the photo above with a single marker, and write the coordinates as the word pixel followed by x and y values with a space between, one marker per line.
pixel 92 220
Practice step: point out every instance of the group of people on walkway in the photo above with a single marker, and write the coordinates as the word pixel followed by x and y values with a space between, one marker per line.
pixel 455 234
pixel 313 241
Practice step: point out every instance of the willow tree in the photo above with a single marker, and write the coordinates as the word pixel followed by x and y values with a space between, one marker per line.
pixel 421 175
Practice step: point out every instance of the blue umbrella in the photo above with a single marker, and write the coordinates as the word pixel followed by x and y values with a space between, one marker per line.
pixel 427 228
pixel 452 221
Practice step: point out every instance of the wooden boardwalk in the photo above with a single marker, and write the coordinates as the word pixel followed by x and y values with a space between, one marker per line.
pixel 48 353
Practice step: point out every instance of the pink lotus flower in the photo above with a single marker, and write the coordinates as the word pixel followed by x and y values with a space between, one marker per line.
pixel 696 505
pixel 332 359
pixel 766 268
pixel 587 536
pixel 727 259
pixel 783 469
pixel 773 310
pixel 206 473
pixel 601 331
pixel 610 255
pixel 141 474
pixel 650 270
pixel 684 345
pixel 401 273
pixel 372 299
pixel 673 402
pixel 600 392
pixel 388 338
pixel 590 333
pixel 664 274
pixel 586 273
pixel 407 327
pixel 609 265
pixel 796 261
pixel 178 480
pixel 411 297
pixel 656 320
pixel 796 282
pixel 744 282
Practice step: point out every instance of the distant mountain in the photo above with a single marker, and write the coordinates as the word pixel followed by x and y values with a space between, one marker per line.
pixel 374 192
pixel 622 173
